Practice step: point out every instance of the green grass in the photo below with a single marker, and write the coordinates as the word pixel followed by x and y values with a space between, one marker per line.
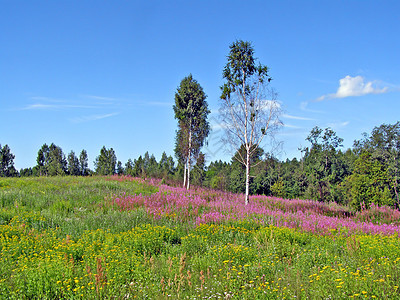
pixel 61 239
pixel 71 204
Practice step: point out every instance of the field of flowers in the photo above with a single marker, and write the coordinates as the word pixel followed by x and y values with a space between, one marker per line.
pixel 127 238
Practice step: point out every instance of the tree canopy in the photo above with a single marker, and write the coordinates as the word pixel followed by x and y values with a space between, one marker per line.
pixel 7 168
pixel 106 162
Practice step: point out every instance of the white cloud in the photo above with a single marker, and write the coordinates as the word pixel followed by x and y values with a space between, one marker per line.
pixel 352 87
pixel 41 106
pixel 46 99
pixel 304 107
pixel 338 125
pixel 100 98
pixel 290 126
pixel 47 103
pixel 153 103
pixel 296 118
pixel 93 118
pixel 158 103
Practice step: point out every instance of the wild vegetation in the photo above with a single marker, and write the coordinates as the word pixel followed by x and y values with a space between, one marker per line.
pixel 325 226
pixel 362 176
pixel 365 175
pixel 123 237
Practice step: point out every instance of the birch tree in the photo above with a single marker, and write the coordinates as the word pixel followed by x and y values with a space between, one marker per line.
pixel 249 110
pixel 191 110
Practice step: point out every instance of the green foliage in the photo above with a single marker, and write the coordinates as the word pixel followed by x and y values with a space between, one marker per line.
pixel 278 189
pixel 120 168
pixel 237 179
pixel 240 67
pixel 51 161
pixel 7 168
pixel 42 160
pixel 324 173
pixel 191 111
pixel 384 145
pixel 166 166
pixel 139 167
pixel 198 172
pixel 369 183
pixel 83 163
pixel 151 165
pixel 324 164
pixel 129 168
pixel 73 164
pixel 26 172
pixel 57 164
pixel 237 174
pixel 106 162
pixel 217 175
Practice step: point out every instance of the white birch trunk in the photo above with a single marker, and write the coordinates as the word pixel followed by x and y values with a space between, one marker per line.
pixel 184 174
pixel 246 200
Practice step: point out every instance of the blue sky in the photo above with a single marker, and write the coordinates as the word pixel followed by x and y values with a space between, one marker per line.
pixel 83 74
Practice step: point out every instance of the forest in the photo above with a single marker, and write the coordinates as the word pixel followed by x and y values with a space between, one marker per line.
pixel 364 174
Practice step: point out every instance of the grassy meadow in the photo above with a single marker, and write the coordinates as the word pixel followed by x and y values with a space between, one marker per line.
pixel 129 238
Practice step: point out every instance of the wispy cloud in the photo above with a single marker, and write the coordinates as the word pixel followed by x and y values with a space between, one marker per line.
pixel 91 107
pixel 304 107
pixel 338 125
pixel 290 126
pixel 156 103
pixel 292 131
pixel 47 99
pixel 100 98
pixel 353 87
pixel 286 116
pixel 90 102
pixel 92 118
pixel 392 87
pixel 41 106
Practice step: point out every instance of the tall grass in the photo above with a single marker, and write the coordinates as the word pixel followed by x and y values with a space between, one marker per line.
pixel 72 204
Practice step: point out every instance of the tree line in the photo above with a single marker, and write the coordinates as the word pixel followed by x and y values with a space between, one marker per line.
pixel 359 176
pixel 246 114
pixel 51 161
pixel 364 174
